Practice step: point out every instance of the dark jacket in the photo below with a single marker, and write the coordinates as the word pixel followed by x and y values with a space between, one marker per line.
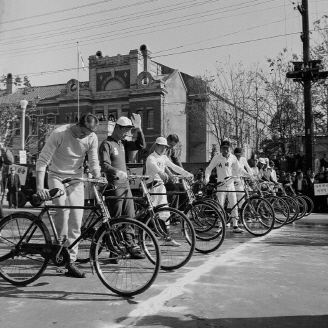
pixel 14 185
pixel 304 186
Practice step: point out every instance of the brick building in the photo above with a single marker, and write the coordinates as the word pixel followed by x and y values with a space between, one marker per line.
pixel 119 85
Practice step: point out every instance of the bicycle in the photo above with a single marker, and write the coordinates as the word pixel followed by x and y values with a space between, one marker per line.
pixel 257 214
pixel 168 224
pixel 26 246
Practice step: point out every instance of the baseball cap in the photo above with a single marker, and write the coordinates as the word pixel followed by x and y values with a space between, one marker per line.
pixel 161 141
pixel 124 121
pixel 261 160
pixel 225 143
pixel 238 150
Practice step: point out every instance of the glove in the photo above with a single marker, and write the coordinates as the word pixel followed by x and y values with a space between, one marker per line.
pixel 163 176
pixel 122 176
pixel 206 180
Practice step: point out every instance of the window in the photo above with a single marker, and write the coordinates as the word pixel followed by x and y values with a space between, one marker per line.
pixel 150 119
pixel 112 116
pixel 17 127
pixel 51 120
pixel 33 128
pixel 140 112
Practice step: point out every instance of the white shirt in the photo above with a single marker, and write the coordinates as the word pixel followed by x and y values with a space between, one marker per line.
pixel 223 167
pixel 156 163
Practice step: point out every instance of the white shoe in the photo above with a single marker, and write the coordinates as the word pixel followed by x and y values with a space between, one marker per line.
pixel 237 230
pixel 171 242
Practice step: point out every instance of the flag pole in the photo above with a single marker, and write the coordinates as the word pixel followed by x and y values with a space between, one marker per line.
pixel 78 81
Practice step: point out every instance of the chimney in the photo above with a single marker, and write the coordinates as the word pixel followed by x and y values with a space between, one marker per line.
pixel 146 58
pixel 11 87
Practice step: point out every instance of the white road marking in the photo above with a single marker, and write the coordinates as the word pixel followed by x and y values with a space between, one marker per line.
pixel 157 303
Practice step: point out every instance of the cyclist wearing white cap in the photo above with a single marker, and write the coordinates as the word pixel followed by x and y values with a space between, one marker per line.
pixel 112 153
pixel 224 163
pixel 156 164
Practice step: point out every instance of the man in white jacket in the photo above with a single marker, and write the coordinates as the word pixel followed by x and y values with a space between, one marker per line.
pixel 224 163
pixel 155 168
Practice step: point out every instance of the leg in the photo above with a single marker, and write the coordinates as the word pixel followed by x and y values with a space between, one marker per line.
pixel 232 197
pixel 15 200
pixel 10 198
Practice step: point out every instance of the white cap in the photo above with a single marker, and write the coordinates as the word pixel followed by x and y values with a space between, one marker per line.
pixel 262 160
pixel 161 141
pixel 124 121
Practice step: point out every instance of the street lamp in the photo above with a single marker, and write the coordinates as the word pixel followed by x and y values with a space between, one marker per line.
pixel 23 104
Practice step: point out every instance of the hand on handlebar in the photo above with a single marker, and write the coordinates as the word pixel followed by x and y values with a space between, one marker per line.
pixel 122 176
pixel 43 194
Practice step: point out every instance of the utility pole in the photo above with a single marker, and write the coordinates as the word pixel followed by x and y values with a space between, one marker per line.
pixel 305 72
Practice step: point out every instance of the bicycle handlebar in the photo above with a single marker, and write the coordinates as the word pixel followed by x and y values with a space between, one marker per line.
pixel 101 180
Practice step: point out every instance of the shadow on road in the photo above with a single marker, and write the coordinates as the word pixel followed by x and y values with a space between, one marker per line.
pixel 191 321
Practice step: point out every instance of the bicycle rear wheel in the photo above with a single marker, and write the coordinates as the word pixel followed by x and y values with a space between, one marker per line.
pixel 130 276
pixel 19 263
pixel 175 234
pixel 89 217
pixel 309 203
pixel 257 216
pixel 209 224
pixel 281 210
pixel 293 208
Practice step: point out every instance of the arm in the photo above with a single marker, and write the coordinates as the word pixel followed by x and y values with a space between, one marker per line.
pixel 140 142
pixel 210 168
pixel 93 158
pixel 177 168
pixel 172 155
pixel 248 168
pixel 152 166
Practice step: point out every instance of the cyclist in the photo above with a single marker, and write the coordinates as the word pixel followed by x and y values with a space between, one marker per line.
pixel 156 165
pixel 64 152
pixel 224 163
pixel 112 152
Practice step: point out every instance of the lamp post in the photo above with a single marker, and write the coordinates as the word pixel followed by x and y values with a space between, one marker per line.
pixel 23 104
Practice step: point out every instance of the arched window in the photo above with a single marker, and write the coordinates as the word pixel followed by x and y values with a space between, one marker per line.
pixel 113 85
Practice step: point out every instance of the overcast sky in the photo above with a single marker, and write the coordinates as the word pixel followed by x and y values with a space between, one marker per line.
pixel 41 35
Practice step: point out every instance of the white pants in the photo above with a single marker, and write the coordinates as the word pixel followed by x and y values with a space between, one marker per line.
pixel 222 194
pixel 159 200
pixel 68 221
pixel 239 187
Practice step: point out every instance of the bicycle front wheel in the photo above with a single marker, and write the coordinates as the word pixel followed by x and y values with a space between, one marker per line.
pixel 281 210
pixel 20 263
pixel 130 276
pixel 257 216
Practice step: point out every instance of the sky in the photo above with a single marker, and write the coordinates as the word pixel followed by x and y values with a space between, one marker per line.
pixel 38 38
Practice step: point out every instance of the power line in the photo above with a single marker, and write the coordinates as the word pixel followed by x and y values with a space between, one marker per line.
pixel 56 12
pixel 164 22
pixel 81 16
pixel 139 15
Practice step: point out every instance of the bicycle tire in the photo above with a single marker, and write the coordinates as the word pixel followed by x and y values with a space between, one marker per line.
pixel 206 214
pixel 302 206
pixel 130 276
pixel 261 214
pixel 83 255
pixel 181 231
pixel 293 208
pixel 309 204
pixel 21 268
pixel 281 210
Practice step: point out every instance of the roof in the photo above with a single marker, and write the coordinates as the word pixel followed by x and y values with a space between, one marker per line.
pixel 43 92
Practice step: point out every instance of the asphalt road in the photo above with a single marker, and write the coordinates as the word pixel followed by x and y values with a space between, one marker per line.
pixel 279 280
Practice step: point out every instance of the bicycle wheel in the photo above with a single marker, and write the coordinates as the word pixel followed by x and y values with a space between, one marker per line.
pixel 19 264
pixel 281 210
pixel 176 236
pixel 302 206
pixel 130 276
pixel 89 217
pixel 257 216
pixel 293 208
pixel 309 203
pixel 209 224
